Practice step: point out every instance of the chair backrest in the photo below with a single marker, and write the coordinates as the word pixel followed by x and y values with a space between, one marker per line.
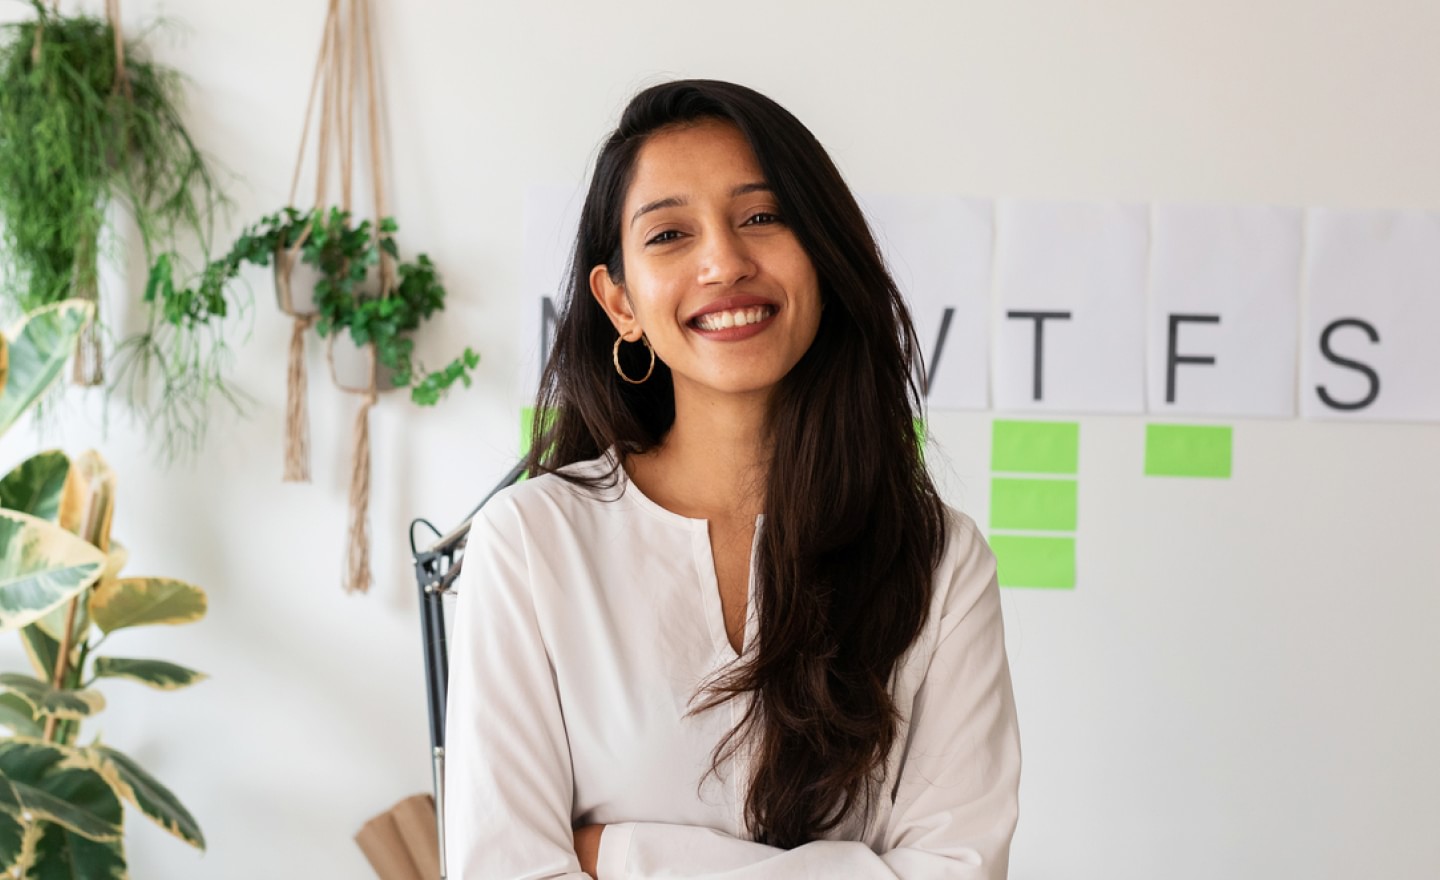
pixel 436 570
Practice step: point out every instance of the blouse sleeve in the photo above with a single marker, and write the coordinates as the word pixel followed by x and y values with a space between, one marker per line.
pixel 956 802
pixel 508 777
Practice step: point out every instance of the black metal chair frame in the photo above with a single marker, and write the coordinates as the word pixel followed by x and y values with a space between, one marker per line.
pixel 436 569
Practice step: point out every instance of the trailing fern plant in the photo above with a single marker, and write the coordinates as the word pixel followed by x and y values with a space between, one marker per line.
pixel 83 127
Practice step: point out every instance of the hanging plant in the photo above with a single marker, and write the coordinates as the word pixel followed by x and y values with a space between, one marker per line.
pixel 345 256
pixel 380 318
pixel 88 120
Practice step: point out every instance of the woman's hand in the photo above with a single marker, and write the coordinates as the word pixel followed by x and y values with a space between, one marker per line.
pixel 587 847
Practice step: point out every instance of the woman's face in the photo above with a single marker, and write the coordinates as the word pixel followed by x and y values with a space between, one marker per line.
pixel 714 277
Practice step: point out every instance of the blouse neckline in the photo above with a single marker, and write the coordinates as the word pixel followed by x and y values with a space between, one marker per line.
pixel 653 507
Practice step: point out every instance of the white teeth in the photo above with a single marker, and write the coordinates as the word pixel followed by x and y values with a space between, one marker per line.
pixel 734 318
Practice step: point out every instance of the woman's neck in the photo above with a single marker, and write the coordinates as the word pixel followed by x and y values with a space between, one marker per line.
pixel 713 461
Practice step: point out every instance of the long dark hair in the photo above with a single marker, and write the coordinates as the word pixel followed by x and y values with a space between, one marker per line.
pixel 853 525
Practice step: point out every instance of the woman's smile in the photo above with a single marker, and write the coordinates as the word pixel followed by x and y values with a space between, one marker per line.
pixel 733 318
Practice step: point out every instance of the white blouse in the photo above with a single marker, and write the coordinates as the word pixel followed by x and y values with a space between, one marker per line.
pixel 584 628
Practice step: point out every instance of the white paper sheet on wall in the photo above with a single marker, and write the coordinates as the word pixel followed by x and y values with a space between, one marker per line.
pixel 1372 330
pixel 1070 277
pixel 551 216
pixel 1224 310
pixel 938 249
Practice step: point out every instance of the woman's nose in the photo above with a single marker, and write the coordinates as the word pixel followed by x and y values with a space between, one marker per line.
pixel 725 260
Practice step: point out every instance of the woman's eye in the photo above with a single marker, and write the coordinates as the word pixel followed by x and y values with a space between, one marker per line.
pixel 663 237
pixel 762 218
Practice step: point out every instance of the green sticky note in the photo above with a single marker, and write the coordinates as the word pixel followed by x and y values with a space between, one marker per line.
pixel 527 428
pixel 527 424
pixel 1187 451
pixel 1024 447
pixel 1039 505
pixel 1031 561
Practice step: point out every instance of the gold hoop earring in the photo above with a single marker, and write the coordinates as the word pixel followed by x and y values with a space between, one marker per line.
pixel 615 356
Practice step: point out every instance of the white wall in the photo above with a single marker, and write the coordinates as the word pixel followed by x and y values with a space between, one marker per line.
pixel 1241 687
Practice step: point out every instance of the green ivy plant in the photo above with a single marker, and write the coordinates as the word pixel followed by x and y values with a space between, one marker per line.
pixel 61 799
pixel 78 135
pixel 344 254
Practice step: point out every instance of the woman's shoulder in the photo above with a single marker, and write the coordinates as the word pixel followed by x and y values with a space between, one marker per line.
pixel 962 534
pixel 540 500
pixel 967 569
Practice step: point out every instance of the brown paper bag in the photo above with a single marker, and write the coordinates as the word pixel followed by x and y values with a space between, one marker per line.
pixel 400 844
pixel 415 817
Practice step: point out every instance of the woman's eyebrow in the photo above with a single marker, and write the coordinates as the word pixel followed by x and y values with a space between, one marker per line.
pixel 671 202
pixel 681 201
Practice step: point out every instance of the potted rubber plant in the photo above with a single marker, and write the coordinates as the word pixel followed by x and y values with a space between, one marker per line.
pixel 61 591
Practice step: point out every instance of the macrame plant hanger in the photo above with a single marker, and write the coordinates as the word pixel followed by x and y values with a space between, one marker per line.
pixel 357 574
pixel 345 37
pixel 325 82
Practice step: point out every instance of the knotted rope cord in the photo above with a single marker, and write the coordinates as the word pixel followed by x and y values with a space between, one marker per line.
pixel 358 574
pixel 297 425
pixel 122 78
pixel 335 82
pixel 40 33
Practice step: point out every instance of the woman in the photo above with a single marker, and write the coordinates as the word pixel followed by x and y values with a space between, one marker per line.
pixel 731 630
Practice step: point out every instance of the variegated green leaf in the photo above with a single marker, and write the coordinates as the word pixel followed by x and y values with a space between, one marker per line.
pixel 11 841
pixel 43 649
pixel 19 717
pixel 65 855
pixel 159 674
pixel 96 482
pixel 35 485
pixel 54 622
pixel 114 561
pixel 134 784
pixel 53 784
pixel 10 803
pixel 39 347
pixel 62 853
pixel 143 601
pixel 73 500
pixel 26 760
pixel 39 804
pixel 46 701
pixel 41 566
